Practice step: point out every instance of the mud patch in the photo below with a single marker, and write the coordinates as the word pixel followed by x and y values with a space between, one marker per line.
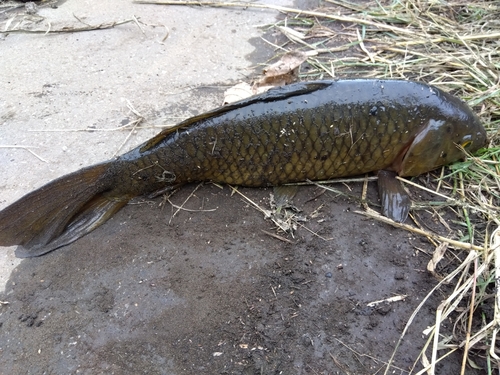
pixel 211 293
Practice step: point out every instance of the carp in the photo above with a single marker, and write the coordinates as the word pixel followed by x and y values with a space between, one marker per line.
pixel 305 131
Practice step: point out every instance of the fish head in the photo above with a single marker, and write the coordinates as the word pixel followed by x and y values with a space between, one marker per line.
pixel 442 141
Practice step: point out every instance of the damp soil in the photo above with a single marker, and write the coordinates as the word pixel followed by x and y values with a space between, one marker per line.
pixel 208 291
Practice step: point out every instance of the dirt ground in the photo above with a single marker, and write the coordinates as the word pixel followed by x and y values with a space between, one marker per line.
pixel 207 291
pixel 212 293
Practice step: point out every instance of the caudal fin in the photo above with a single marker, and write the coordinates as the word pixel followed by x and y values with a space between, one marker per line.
pixel 60 212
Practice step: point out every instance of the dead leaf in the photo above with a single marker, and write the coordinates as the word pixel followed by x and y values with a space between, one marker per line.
pixel 284 71
pixel 281 73
pixel 238 92
pixel 436 257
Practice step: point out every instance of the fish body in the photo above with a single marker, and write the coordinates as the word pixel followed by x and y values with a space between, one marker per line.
pixel 305 131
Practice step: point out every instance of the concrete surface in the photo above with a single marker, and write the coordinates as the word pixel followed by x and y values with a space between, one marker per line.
pixel 55 87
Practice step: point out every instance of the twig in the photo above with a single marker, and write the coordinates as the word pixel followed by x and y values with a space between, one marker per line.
pixel 183 203
pixel 469 324
pixel 390 299
pixel 377 360
pixel 495 244
pixel 136 123
pixel 27 149
pixel 70 29
pixel 188 210
pixel 314 233
pixel 458 244
pixel 277 236
pixel 284 10
pixel 336 181
pixel 267 213
pixel 138 24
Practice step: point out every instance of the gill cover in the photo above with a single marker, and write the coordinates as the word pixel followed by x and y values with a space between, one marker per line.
pixel 437 144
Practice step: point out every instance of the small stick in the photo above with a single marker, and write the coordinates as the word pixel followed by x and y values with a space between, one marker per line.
pixel 267 213
pixel 188 210
pixel 66 29
pixel 27 149
pixel 363 194
pixel 284 10
pixel 495 244
pixel 390 299
pixel 469 323
pixel 183 203
pixel 439 314
pixel 316 234
pixel 277 236
pixel 404 180
pixel 138 24
pixel 459 244
pixel 336 181
pixel 136 122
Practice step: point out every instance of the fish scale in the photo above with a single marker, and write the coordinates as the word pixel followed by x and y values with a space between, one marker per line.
pixel 271 149
pixel 306 131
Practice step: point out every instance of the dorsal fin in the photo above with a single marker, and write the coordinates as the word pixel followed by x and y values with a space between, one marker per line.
pixel 278 93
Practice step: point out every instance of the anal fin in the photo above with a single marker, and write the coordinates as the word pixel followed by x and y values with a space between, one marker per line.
pixel 283 195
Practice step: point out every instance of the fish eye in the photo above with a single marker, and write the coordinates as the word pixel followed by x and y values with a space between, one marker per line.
pixel 466 144
pixel 466 141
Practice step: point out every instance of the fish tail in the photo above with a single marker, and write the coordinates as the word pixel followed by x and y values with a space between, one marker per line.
pixel 61 211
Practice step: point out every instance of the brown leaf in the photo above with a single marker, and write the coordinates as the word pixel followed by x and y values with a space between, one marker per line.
pixel 436 257
pixel 284 71
pixel 238 92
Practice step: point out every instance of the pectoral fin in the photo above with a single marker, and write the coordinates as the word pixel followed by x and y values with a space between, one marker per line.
pixel 395 200
pixel 284 194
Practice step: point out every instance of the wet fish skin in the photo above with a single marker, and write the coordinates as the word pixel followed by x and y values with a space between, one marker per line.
pixel 336 129
pixel 314 130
